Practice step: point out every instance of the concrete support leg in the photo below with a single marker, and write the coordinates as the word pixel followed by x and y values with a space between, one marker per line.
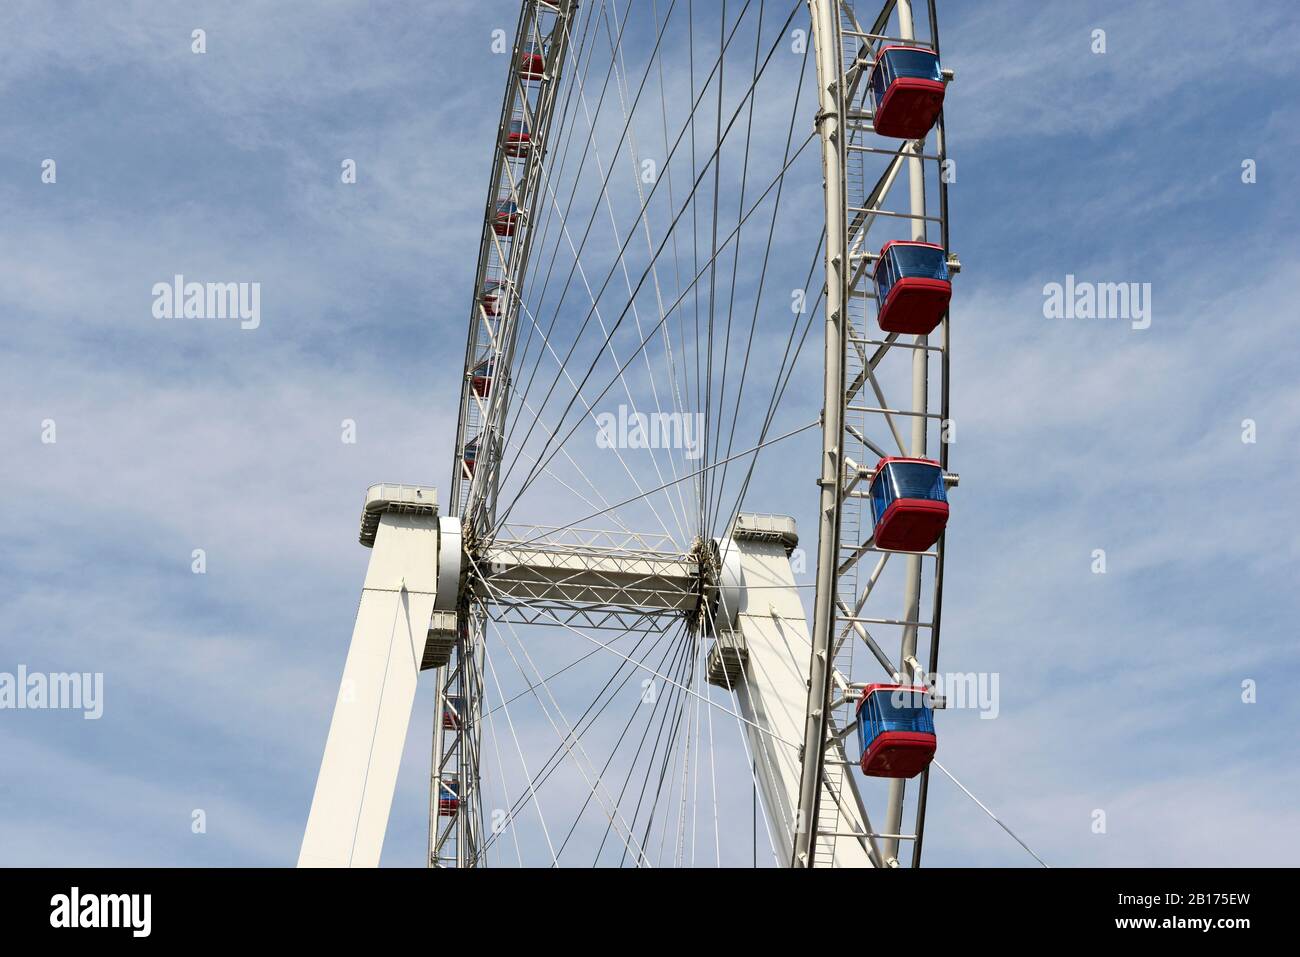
pixel 354 792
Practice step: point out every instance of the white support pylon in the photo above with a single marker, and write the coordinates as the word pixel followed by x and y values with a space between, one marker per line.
pixel 354 792
pixel 774 691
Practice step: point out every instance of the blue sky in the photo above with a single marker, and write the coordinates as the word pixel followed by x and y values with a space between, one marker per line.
pixel 1120 692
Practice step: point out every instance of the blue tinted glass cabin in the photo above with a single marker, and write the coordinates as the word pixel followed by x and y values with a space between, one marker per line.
pixel 915 64
pixel 924 262
pixel 878 83
pixel 904 711
pixel 917 480
pixel 882 494
pixel 886 276
pixel 868 722
pixel 517 126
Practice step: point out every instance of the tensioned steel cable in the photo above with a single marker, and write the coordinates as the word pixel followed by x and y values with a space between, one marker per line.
pixel 590 411
pixel 676 669
pixel 637 709
pixel 985 809
pixel 646 668
pixel 779 386
pixel 779 438
pixel 681 513
pixel 641 346
pixel 572 664
pixel 678 392
pixel 625 243
pixel 677 697
pixel 554 760
pixel 695 245
pixel 612 813
pixel 523 762
pixel 713 278
pixel 735 263
pixel 762 281
pixel 646 339
pixel 586 152
pixel 752 755
pixel 596 205
pixel 557 171
pixel 591 220
pixel 670 750
pixel 698 472
pixel 552 764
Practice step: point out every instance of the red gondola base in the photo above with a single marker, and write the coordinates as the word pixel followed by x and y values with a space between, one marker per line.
pixel 517 144
pixel 911 524
pixel 532 66
pixel 504 224
pixel 448 807
pixel 451 720
pixel 915 305
pixel 898 754
pixel 909 108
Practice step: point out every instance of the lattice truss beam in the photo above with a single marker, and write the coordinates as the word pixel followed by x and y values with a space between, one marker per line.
pixel 508 230
pixel 888 404
pixel 544 31
pixel 538 579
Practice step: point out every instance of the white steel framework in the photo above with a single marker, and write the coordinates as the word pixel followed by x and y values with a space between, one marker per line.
pixel 721 591
pixel 853 431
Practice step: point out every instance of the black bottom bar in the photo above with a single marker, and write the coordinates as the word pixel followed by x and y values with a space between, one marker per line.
pixel 954 908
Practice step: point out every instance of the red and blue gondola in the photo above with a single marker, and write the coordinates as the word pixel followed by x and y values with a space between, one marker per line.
pixel 481 378
pixel 491 290
pixel 913 287
pixel 909 504
pixel 470 455
pixel 448 799
pixel 507 216
pixel 451 719
pixel 532 61
pixel 518 138
pixel 895 731
pixel 907 88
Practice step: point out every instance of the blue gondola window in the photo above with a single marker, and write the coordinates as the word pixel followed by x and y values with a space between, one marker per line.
pixel 906 480
pixel 916 64
pixel 894 710
pixel 905 262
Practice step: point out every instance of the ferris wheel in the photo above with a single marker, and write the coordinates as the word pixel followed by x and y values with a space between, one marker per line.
pixel 635 663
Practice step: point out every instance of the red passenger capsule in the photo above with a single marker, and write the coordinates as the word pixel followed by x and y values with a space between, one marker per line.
pixel 532 62
pixel 913 287
pixel 907 89
pixel 895 731
pixel 448 798
pixel 909 504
